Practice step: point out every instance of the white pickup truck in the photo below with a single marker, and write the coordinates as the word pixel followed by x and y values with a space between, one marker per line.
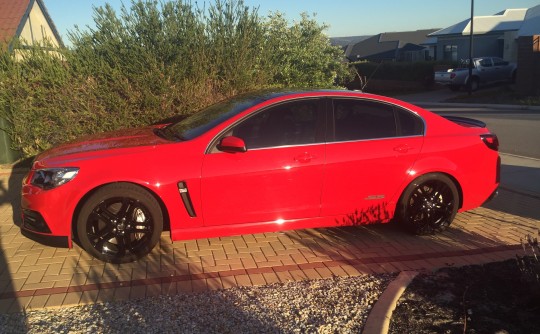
pixel 485 70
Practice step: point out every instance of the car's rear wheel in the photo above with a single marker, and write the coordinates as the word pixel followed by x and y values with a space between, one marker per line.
pixel 454 88
pixel 119 223
pixel 429 204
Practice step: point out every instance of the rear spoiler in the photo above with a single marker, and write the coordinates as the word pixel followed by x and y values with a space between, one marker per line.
pixel 466 121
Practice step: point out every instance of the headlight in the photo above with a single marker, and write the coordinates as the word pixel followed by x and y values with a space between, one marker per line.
pixel 49 178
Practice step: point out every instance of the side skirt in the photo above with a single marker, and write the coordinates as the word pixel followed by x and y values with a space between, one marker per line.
pixel 262 227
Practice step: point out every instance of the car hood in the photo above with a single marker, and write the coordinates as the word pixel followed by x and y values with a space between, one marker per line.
pixel 88 145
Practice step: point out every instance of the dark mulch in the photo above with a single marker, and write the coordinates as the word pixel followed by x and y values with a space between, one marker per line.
pixel 497 94
pixel 491 298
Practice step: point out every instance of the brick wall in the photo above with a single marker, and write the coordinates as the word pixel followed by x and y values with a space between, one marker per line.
pixel 528 71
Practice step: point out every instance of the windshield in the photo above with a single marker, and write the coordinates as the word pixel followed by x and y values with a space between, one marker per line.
pixel 207 118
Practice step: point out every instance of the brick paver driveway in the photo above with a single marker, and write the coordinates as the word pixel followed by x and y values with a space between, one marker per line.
pixel 33 275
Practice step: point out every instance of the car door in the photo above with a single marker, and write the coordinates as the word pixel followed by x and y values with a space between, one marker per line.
pixel 487 70
pixel 278 178
pixel 502 70
pixel 373 148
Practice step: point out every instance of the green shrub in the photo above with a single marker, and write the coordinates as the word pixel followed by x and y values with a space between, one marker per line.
pixel 529 263
pixel 153 61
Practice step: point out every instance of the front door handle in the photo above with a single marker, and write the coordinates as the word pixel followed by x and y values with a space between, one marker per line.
pixel 402 148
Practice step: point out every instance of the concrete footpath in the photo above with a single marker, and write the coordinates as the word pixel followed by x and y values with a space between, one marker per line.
pixel 520 174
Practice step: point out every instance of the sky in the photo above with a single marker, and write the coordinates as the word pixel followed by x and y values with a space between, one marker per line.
pixel 344 18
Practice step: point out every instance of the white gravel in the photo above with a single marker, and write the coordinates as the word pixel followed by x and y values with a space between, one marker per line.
pixel 335 305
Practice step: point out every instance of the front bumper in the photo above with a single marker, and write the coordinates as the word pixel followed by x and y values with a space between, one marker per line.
pixel 35 227
pixel 33 221
pixel 47 239
pixel 48 213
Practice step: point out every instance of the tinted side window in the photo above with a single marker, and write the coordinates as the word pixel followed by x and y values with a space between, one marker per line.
pixel 409 124
pixel 499 62
pixel 291 123
pixel 357 120
pixel 485 62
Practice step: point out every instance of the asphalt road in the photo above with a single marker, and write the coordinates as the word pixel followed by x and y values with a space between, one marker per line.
pixel 518 130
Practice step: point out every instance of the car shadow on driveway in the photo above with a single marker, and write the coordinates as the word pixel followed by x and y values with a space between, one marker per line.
pixel 10 199
pixel 482 231
pixel 520 185
pixel 10 193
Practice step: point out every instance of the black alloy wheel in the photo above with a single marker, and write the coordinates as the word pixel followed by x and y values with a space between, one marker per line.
pixel 120 223
pixel 429 204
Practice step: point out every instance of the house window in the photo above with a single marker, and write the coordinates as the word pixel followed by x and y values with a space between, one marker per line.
pixel 450 52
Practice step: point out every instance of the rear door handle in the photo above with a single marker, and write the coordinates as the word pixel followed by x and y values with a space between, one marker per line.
pixel 402 148
pixel 306 157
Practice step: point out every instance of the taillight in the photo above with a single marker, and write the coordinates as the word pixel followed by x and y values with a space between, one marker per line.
pixel 452 76
pixel 491 141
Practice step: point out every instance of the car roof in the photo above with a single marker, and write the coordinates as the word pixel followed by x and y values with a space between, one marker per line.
pixel 265 95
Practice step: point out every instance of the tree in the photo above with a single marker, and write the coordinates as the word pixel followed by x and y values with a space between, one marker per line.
pixel 301 55
pixel 155 60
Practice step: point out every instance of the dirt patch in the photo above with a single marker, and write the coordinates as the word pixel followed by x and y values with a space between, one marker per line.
pixel 497 94
pixel 491 298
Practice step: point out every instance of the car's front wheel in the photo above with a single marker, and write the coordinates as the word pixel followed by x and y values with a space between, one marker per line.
pixel 429 204
pixel 119 223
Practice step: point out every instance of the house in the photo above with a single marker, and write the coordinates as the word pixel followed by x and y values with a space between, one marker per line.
pixel 29 21
pixel 393 46
pixel 513 34
pixel 528 40
pixel 494 35
pixel 347 43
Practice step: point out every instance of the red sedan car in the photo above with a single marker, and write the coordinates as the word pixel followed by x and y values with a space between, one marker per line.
pixel 258 163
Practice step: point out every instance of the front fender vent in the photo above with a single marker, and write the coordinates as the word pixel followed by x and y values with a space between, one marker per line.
pixel 184 194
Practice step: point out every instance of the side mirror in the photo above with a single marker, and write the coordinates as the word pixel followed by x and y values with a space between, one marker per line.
pixel 232 144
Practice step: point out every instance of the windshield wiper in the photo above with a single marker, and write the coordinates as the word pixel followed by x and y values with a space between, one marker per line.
pixel 177 136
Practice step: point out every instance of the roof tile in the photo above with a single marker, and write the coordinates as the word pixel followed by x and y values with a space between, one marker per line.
pixel 11 14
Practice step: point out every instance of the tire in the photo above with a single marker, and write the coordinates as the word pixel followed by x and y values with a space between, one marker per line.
pixel 429 204
pixel 119 223
pixel 454 88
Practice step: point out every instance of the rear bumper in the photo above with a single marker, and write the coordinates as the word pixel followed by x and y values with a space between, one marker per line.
pixel 440 82
pixel 448 83
pixel 494 194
